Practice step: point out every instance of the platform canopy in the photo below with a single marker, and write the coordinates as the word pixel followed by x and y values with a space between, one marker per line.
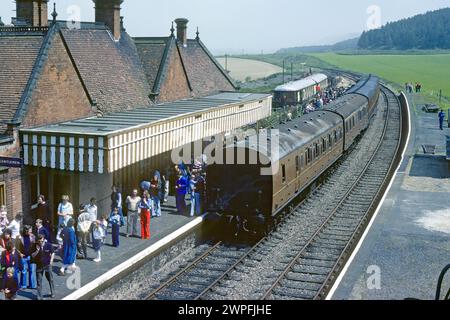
pixel 114 141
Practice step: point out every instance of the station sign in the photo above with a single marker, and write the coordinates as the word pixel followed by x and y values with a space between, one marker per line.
pixel 11 162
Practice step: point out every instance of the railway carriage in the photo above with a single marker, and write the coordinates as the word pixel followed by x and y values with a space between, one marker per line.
pixel 305 148
pixel 353 109
pixel 368 87
pixel 298 92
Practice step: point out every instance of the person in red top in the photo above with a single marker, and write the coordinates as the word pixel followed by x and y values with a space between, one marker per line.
pixel 145 206
pixel 10 258
pixel 4 239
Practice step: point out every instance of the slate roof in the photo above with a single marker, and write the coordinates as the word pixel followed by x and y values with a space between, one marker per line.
pixel 152 52
pixel 205 75
pixel 18 53
pixel 204 71
pixel 117 75
pixel 111 71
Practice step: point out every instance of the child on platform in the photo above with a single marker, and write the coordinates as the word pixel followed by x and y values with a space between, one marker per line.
pixel 98 236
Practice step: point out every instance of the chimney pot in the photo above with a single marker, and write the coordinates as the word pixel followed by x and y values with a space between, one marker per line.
pixel 182 30
pixel 108 12
pixel 33 12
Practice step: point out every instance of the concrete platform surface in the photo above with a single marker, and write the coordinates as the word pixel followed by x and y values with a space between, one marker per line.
pixel 89 271
pixel 408 243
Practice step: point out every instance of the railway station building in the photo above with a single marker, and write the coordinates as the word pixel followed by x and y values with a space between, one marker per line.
pixel 84 105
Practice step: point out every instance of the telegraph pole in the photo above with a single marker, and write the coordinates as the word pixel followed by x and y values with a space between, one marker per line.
pixel 226 62
pixel 292 71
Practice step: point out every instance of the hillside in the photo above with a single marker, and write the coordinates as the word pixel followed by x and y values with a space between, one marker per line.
pixel 350 44
pixel 425 31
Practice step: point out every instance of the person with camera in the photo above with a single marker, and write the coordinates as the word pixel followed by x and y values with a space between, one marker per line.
pixel 43 255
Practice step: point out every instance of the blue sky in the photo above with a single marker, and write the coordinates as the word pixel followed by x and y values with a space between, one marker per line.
pixel 237 26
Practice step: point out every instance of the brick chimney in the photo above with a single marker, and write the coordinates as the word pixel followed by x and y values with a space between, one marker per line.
pixel 33 12
pixel 108 12
pixel 182 30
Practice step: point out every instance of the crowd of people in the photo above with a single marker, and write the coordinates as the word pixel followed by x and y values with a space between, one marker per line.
pixel 27 252
pixel 323 98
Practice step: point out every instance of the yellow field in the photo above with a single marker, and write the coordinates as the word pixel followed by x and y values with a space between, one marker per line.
pixel 241 69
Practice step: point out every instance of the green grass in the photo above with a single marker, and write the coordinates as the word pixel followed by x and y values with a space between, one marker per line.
pixel 432 70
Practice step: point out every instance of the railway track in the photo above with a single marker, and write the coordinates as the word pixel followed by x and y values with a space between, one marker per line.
pixel 313 259
pixel 323 255
pixel 198 275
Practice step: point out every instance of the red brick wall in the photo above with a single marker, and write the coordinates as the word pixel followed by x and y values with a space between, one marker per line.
pixel 59 95
pixel 12 178
pixel 175 86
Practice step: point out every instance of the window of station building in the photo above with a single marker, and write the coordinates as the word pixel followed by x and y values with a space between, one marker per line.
pixel 2 194
pixel 283 173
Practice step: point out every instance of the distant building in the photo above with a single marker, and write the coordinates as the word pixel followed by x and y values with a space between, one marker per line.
pixel 54 71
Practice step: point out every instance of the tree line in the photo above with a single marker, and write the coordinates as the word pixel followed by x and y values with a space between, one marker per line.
pixel 426 31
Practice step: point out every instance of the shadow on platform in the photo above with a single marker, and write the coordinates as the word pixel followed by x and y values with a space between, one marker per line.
pixel 431 166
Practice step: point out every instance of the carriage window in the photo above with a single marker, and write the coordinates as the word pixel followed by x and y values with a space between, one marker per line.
pixel 308 156
pixel 316 148
pixel 324 145
pixel 335 136
pixel 283 172
pixel 330 140
pixel 297 163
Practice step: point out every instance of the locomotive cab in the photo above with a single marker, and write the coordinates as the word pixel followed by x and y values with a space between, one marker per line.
pixel 240 192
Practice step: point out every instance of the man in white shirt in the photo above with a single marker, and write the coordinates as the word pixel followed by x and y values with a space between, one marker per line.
pixel 133 213
pixel 14 226
pixel 91 208
pixel 83 228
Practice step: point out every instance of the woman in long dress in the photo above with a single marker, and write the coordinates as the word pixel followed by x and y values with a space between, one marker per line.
pixel 69 246
pixel 145 206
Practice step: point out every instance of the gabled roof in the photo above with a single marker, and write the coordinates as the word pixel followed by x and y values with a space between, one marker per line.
pixel 18 54
pixel 111 70
pixel 205 73
pixel 155 55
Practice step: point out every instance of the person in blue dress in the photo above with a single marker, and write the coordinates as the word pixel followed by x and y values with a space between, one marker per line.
pixel 114 220
pixel 69 247
pixel 181 189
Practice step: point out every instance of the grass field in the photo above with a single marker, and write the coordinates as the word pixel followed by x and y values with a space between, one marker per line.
pixel 432 71
pixel 242 69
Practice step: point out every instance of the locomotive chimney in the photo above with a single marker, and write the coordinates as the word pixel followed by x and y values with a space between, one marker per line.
pixel 182 30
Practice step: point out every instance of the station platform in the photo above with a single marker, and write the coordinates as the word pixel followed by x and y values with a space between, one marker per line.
pixel 163 230
pixel 407 243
